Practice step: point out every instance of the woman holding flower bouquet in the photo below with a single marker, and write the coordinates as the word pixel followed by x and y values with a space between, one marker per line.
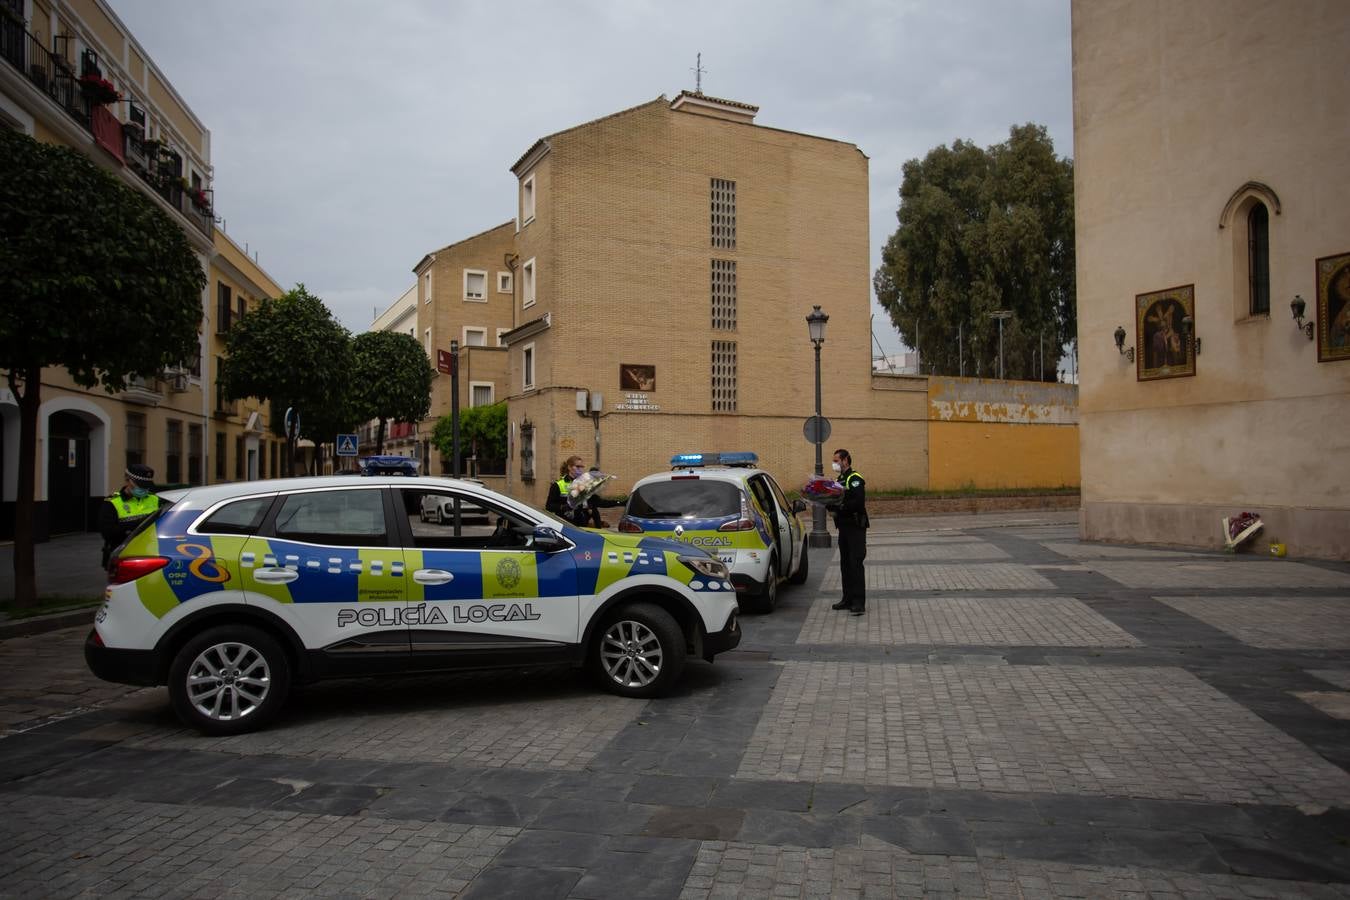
pixel 571 497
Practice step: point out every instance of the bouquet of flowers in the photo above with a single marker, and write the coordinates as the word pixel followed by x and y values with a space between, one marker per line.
pixel 584 486
pixel 822 490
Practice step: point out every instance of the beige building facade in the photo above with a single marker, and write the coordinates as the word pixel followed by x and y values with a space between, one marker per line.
pixel 667 258
pixel 52 51
pixel 1210 145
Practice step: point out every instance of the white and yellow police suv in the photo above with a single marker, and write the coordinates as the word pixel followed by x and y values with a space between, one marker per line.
pixel 233 592
pixel 725 504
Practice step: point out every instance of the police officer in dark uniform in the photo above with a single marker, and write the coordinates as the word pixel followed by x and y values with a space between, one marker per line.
pixel 850 520
pixel 119 515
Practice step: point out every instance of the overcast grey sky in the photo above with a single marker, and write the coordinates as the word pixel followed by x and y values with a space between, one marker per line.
pixel 349 139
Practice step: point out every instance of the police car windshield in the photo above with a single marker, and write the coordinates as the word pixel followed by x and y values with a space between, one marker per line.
pixel 699 499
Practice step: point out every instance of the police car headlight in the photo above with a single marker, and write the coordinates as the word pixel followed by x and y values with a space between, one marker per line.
pixel 707 567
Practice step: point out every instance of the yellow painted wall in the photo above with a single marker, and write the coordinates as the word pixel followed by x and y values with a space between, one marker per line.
pixel 1001 455
pixel 1001 434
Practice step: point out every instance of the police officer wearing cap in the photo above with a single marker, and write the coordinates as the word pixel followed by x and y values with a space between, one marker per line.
pixel 123 511
pixel 850 520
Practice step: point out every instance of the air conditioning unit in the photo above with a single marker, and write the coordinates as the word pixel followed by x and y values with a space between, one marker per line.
pixel 178 382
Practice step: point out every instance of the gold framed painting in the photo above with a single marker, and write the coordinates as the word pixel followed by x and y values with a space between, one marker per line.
pixel 1164 326
pixel 1333 308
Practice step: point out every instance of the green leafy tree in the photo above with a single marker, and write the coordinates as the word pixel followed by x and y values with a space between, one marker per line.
pixel 981 231
pixel 482 430
pixel 94 278
pixel 391 380
pixel 291 352
pixel 324 423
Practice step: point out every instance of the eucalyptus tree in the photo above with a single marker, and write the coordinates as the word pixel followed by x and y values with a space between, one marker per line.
pixel 982 231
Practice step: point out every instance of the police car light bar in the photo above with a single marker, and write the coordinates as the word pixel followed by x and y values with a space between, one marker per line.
pixel 695 460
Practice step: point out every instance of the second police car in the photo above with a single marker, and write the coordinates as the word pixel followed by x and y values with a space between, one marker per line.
pixel 237 591
pixel 725 504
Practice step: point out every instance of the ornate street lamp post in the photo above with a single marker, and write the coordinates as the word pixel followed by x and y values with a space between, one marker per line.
pixel 820 429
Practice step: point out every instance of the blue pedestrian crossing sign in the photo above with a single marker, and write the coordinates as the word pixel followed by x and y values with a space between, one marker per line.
pixel 346 445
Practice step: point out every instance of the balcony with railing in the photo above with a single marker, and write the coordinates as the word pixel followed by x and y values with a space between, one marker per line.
pixel 85 98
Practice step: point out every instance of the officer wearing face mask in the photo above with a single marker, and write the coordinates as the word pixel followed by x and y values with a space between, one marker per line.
pixel 123 511
pixel 556 502
pixel 850 520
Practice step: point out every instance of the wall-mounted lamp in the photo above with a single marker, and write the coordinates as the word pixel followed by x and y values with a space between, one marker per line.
pixel 1127 352
pixel 1188 332
pixel 1298 307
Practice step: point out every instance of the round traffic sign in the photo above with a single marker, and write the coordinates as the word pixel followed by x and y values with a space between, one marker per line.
pixel 816 430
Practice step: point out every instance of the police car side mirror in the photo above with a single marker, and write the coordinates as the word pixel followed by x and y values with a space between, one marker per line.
pixel 798 506
pixel 546 540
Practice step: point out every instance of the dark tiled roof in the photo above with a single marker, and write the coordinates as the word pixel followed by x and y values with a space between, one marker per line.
pixel 702 96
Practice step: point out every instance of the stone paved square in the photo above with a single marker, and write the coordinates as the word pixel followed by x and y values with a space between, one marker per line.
pixel 989 621
pixel 925 552
pixel 1045 533
pixel 978 577
pixel 527 732
pixel 1220 572
pixel 1276 623
pixel 1338 677
pixel 1117 731
pixel 63 847
pixel 45 674
pixel 1109 551
pixel 878 869
pixel 882 538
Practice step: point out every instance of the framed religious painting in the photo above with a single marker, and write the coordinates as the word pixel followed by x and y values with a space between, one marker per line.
pixel 1164 325
pixel 1333 308
pixel 637 377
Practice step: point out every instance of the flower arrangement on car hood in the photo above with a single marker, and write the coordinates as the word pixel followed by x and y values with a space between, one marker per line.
pixel 584 486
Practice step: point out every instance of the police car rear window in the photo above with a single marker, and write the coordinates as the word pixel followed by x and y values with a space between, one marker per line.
pixel 700 499
pixel 240 517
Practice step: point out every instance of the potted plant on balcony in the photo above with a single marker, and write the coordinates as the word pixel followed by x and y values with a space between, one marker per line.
pixel 200 200
pixel 98 89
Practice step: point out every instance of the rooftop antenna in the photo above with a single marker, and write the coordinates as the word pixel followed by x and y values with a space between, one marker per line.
pixel 698 74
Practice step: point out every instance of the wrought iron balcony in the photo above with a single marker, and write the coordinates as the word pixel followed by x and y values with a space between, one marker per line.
pixel 56 77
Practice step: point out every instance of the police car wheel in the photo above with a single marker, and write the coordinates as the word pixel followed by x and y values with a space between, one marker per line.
pixel 803 568
pixel 639 652
pixel 767 598
pixel 229 679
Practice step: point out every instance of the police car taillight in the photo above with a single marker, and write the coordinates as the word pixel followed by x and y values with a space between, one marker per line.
pixel 630 526
pixel 134 567
pixel 744 523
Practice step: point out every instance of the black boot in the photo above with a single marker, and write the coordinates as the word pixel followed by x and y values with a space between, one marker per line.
pixel 842 604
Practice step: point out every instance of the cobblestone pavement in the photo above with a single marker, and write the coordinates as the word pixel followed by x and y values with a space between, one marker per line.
pixel 1018 715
